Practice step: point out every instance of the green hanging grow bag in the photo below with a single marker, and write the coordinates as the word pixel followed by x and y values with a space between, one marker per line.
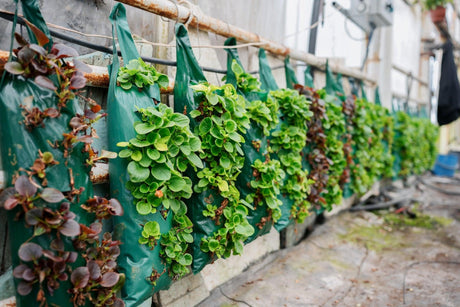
pixel 254 147
pixel 20 147
pixel 269 84
pixel 145 273
pixel 219 221
pixel 291 78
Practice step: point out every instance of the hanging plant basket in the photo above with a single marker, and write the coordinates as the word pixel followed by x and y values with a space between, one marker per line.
pixel 438 14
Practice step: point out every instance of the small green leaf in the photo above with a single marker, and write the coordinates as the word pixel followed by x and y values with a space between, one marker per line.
pixel 152 228
pixel 185 148
pixel 145 161
pixel 223 186
pixel 153 154
pixel 230 126
pixel 125 153
pixel 225 162
pixel 195 113
pixel 213 245
pixel 195 160
pixel 122 144
pixel 139 143
pixel 180 120
pixel 245 230
pixel 161 145
pixel 187 237
pixel 136 155
pixel 195 144
pixel 176 184
pixel 161 172
pixel 144 128
pixel 185 259
pixel 205 125
pixel 143 208
pixel 137 173
pixel 228 147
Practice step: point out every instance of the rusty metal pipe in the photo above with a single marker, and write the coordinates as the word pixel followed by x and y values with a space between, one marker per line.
pixel 196 18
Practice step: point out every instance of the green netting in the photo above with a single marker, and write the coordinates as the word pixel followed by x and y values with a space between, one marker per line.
pixel 136 261
pixel 20 148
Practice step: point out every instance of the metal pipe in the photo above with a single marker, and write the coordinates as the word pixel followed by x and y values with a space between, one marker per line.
pixel 408 73
pixel 195 18
pixel 314 30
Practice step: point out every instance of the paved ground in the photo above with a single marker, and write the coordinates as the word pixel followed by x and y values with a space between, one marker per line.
pixel 363 259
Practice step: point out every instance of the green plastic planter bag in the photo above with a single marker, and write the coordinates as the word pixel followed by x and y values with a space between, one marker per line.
pixel 363 91
pixel 289 71
pixel 377 97
pixel 251 154
pixel 186 100
pixel 136 261
pixel 266 76
pixel 309 77
pixel 20 148
pixel 269 84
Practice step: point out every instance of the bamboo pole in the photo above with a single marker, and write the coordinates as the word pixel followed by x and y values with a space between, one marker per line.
pixel 195 18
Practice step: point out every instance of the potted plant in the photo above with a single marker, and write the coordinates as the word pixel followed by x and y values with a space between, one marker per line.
pixel 437 9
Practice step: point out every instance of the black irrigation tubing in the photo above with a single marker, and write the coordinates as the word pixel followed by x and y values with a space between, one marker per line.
pixel 97 47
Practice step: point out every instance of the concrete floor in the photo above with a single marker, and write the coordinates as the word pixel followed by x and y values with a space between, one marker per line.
pixel 362 259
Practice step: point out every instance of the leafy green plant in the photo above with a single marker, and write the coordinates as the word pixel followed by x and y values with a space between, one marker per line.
pixel 264 113
pixel 222 119
pixel 348 109
pixel 288 143
pixel 159 155
pixel 140 74
pixel 175 245
pixel 412 137
pixel 316 140
pixel 371 139
pixel 334 126
pixel 245 81
pixel 268 177
pixel 229 238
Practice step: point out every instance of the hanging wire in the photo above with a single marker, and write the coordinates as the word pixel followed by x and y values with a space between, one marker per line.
pixel 349 34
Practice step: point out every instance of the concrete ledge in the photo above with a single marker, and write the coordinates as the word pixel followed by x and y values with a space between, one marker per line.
pixel 188 291
pixel 223 270
pixel 294 233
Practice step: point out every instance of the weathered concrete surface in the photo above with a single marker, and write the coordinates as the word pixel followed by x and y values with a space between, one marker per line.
pixel 361 259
